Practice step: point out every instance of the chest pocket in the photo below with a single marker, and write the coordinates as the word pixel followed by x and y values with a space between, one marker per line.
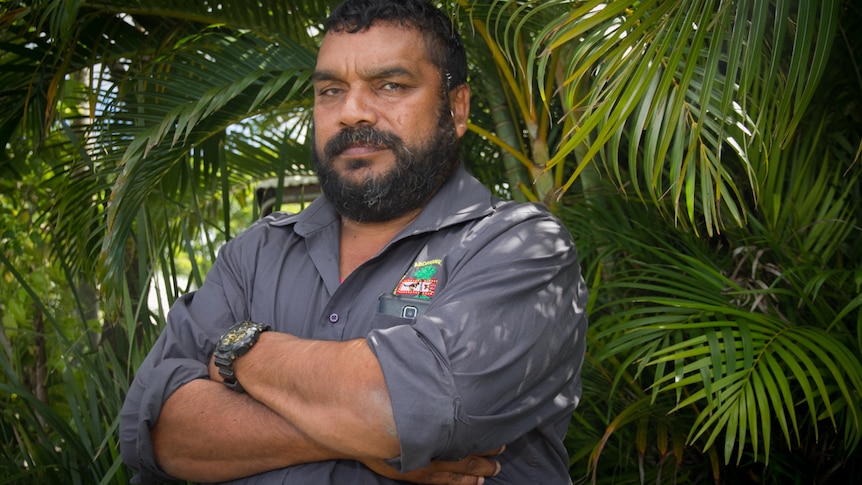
pixel 416 289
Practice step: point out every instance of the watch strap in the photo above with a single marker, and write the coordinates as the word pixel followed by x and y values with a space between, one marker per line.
pixel 225 370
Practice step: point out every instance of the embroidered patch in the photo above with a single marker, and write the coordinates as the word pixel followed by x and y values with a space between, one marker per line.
pixel 414 287
pixel 419 281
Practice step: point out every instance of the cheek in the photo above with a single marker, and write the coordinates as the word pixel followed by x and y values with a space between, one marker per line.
pixel 321 130
pixel 415 123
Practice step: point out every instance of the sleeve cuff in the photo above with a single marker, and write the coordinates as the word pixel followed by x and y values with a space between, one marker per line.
pixel 422 390
pixel 170 375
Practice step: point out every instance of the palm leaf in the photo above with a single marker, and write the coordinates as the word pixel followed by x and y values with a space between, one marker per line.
pixel 252 76
pixel 684 101
pixel 723 358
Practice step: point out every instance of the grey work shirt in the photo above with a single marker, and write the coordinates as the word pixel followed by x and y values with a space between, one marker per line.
pixel 492 357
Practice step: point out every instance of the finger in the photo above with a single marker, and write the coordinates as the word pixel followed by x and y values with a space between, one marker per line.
pixel 473 465
pixel 457 479
pixel 495 451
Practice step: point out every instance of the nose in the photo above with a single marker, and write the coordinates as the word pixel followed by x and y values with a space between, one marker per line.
pixel 357 108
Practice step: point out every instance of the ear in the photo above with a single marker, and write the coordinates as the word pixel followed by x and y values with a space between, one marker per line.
pixel 459 103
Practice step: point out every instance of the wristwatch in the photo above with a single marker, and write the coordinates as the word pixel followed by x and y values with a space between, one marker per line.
pixel 233 344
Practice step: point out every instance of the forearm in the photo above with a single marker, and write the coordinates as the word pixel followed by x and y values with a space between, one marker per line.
pixel 332 391
pixel 207 433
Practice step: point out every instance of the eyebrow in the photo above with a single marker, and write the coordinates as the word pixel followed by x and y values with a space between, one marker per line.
pixel 396 71
pixel 318 76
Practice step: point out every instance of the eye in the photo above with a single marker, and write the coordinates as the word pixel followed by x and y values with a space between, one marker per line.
pixel 328 91
pixel 391 87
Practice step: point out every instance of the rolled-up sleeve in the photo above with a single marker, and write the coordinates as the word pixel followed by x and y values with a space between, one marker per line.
pixel 179 355
pixel 499 351
pixel 153 384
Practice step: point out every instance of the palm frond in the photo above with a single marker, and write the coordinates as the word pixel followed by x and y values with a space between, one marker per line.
pixel 223 80
pixel 749 376
pixel 688 97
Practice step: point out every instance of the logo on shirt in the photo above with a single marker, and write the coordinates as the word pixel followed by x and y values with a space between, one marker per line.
pixel 419 281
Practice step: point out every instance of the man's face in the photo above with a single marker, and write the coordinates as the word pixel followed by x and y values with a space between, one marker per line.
pixel 385 134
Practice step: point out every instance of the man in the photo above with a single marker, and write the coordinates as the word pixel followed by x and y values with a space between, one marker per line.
pixel 405 327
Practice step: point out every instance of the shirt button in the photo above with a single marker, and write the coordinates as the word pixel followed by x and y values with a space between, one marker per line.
pixel 333 318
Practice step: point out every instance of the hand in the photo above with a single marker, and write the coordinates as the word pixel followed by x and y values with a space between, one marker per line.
pixel 472 470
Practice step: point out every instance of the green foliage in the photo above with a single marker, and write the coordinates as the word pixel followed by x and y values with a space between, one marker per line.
pixel 60 396
pixel 713 358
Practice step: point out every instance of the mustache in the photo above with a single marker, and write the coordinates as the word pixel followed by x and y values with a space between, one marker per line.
pixel 361 136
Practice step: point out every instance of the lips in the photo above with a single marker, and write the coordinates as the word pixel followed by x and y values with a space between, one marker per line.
pixel 361 141
pixel 359 150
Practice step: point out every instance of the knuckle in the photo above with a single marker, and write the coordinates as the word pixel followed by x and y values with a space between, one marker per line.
pixel 480 466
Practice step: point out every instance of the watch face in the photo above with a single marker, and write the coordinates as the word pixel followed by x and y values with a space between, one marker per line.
pixel 236 336
pixel 235 342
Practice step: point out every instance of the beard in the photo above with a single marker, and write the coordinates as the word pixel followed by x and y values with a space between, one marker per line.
pixel 417 174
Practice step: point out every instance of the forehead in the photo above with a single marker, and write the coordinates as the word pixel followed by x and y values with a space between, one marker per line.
pixel 381 46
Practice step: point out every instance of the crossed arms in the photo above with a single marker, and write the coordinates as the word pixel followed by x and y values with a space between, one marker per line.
pixel 289 418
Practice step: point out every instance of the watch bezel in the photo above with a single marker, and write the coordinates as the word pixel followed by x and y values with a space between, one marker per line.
pixel 235 342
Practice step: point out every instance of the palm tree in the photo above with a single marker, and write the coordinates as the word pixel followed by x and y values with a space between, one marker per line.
pixel 80 82
pixel 729 120
pixel 704 153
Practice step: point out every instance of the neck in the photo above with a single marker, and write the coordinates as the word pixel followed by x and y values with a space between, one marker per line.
pixel 361 241
pixel 376 230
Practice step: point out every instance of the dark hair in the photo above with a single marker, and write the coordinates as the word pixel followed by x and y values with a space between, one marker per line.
pixel 442 41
